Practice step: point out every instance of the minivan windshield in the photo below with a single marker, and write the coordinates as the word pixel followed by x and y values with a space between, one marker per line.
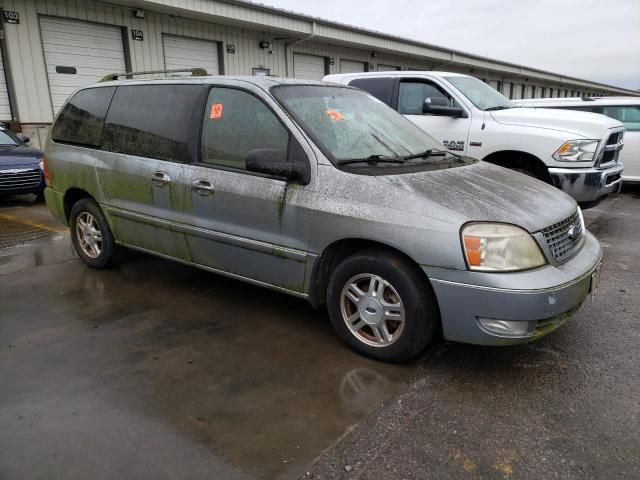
pixel 351 126
pixel 480 94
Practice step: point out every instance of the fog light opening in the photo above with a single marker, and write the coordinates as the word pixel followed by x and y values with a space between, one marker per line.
pixel 507 327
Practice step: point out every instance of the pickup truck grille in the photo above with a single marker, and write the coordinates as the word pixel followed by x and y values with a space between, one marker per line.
pixel 18 178
pixel 565 237
pixel 612 149
pixel 615 138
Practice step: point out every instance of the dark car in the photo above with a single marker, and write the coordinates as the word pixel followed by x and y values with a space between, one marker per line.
pixel 20 169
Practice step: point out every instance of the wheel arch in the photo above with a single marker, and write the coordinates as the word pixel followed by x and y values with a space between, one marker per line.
pixel 520 159
pixel 337 251
pixel 71 197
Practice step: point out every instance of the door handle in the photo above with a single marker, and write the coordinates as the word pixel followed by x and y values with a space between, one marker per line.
pixel 160 178
pixel 202 187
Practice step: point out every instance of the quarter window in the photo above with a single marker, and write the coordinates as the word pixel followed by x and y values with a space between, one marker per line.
pixel 413 94
pixel 151 121
pixel 629 116
pixel 82 119
pixel 236 122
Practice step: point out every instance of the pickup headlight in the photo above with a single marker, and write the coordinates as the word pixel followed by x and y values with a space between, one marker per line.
pixel 577 151
pixel 498 247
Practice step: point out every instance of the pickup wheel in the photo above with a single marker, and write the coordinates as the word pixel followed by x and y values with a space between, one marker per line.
pixel 91 235
pixel 382 306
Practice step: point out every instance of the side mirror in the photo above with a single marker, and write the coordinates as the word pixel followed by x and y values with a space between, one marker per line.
pixel 440 106
pixel 26 139
pixel 275 162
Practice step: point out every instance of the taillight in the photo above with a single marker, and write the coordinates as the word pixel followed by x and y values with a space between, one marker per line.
pixel 45 171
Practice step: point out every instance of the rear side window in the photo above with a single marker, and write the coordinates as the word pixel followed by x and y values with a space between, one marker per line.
pixel 81 121
pixel 628 115
pixel 151 121
pixel 381 88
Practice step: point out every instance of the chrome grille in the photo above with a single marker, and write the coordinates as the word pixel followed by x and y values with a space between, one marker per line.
pixel 19 178
pixel 565 238
pixel 615 138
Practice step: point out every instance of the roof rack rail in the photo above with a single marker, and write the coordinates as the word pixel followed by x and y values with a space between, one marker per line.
pixel 195 72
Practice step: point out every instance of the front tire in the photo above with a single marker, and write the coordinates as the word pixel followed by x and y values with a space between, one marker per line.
pixel 91 235
pixel 382 306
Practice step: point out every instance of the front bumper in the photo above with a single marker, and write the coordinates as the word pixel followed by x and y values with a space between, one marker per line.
pixel 587 185
pixel 21 181
pixel 544 298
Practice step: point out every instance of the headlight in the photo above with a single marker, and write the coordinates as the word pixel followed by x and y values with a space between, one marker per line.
pixel 577 151
pixel 500 247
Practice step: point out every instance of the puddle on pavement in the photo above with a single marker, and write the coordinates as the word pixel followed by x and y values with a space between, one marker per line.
pixel 30 237
pixel 172 371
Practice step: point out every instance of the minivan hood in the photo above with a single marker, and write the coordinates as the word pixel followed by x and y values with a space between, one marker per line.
pixel 485 192
pixel 583 124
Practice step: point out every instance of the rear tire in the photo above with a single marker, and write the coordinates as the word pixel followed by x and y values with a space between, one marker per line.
pixel 382 306
pixel 91 235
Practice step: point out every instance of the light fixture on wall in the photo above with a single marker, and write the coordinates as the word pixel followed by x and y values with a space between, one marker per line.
pixel 138 13
pixel 264 44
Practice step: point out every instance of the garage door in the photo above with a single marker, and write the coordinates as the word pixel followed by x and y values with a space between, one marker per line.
pixel 78 53
pixel 387 68
pixel 5 108
pixel 309 67
pixel 184 53
pixel 349 66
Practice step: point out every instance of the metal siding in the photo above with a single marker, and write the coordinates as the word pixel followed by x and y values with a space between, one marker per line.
pixel 215 20
pixel 93 49
pixel 185 53
pixel 387 68
pixel 309 67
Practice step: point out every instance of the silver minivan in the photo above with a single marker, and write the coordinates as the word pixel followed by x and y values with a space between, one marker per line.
pixel 322 192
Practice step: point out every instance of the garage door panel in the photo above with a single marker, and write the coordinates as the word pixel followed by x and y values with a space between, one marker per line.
pixel 69 49
pixel 5 108
pixel 352 66
pixel 308 67
pixel 184 53
pixel 94 50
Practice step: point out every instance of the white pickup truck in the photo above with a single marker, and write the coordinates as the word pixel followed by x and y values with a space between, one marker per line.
pixel 575 151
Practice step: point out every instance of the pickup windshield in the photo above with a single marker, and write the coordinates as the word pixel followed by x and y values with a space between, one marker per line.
pixel 480 94
pixel 351 126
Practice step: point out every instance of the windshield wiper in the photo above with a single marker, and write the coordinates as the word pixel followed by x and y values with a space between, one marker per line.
pixel 497 107
pixel 372 159
pixel 432 152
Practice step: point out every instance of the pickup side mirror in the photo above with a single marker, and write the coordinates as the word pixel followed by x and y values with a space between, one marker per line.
pixel 440 106
pixel 26 139
pixel 277 163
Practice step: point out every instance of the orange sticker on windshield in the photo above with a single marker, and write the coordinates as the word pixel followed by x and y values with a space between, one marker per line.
pixel 335 115
pixel 216 110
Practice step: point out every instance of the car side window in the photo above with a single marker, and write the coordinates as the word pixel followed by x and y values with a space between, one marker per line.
pixel 151 121
pixel 412 95
pixel 236 122
pixel 381 88
pixel 628 115
pixel 82 119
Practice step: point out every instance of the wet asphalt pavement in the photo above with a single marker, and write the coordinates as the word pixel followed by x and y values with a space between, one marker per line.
pixel 155 370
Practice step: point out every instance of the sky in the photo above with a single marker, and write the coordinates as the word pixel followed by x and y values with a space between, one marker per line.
pixel 596 40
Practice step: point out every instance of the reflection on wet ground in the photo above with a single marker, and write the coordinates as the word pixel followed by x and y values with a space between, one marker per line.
pixel 156 370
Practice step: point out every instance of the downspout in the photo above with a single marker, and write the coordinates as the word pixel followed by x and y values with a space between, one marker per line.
pixel 289 44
